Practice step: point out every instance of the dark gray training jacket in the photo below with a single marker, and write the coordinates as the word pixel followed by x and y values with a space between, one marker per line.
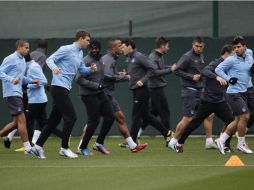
pixel 213 91
pixel 88 84
pixel 189 65
pixel 140 67
pixel 158 78
pixel 110 74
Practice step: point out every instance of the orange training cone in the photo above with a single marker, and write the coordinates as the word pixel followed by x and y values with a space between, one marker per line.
pixel 234 161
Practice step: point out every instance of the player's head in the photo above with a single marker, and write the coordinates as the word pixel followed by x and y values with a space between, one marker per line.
pixel 198 44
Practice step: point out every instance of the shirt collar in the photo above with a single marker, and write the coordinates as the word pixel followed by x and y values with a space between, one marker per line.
pixel 132 54
pixel 76 46
pixel 19 55
pixel 115 56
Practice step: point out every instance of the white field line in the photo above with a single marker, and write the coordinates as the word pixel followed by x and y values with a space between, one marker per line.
pixel 111 166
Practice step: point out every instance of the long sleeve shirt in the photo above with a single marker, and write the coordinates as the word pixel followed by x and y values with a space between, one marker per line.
pixel 140 67
pixel 69 59
pixel 89 83
pixel 13 66
pixel 36 92
pixel 235 66
pixel 111 76
pixel 213 92
pixel 189 65
pixel 249 58
pixel 158 78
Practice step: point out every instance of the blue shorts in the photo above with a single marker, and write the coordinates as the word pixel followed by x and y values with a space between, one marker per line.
pixel 15 105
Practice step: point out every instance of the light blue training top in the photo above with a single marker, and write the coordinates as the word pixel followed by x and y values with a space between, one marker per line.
pixel 13 66
pixel 239 67
pixel 36 92
pixel 69 59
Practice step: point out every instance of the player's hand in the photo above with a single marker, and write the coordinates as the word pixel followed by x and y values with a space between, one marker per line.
pixel 221 81
pixel 93 67
pixel 56 71
pixel 196 77
pixel 173 67
pixel 15 81
pixel 35 81
pixel 139 83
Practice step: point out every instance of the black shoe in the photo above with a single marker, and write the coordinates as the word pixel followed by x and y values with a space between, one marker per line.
pixel 7 142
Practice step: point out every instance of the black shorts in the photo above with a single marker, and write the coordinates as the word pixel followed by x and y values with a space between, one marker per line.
pixel 190 101
pixel 238 103
pixel 15 105
pixel 114 103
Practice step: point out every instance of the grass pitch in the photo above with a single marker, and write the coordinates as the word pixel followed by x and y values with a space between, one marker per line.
pixel 155 168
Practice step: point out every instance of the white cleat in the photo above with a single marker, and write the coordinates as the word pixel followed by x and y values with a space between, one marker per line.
pixel 172 145
pixel 67 153
pixel 244 148
pixel 220 146
pixel 39 152
pixel 211 146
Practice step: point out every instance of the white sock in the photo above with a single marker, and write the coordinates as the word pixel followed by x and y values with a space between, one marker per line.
pixel 36 136
pixel 37 146
pixel 173 141
pixel 223 137
pixel 80 142
pixel 241 140
pixel 27 145
pixel 209 140
pixel 131 143
pixel 11 134
pixel 140 132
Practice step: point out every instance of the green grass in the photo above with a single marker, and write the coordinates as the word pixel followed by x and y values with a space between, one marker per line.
pixel 155 168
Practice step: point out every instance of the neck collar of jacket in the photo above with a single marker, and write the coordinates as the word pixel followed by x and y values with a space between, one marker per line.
pixel 77 46
pixel 19 55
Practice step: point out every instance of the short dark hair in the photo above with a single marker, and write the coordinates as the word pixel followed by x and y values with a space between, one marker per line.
pixel 238 39
pixel 226 49
pixel 21 43
pixel 111 42
pixel 82 34
pixel 129 42
pixel 161 41
pixel 94 44
pixel 27 57
pixel 42 43
pixel 198 39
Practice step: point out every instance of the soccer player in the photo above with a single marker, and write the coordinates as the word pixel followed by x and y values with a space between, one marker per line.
pixel 140 69
pixel 111 77
pixel 189 68
pixel 64 63
pixel 213 98
pixel 12 72
pixel 236 70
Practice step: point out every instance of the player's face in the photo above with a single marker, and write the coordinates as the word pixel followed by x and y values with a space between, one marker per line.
pixel 23 50
pixel 118 47
pixel 84 42
pixel 165 48
pixel 198 47
pixel 125 49
pixel 95 52
pixel 239 49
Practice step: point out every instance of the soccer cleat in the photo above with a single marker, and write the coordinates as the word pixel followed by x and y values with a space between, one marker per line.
pixel 227 149
pixel 220 146
pixel 244 148
pixel 30 151
pixel 101 148
pixel 39 152
pixel 179 148
pixel 211 146
pixel 139 147
pixel 22 149
pixel 124 145
pixel 86 152
pixel 67 153
pixel 172 145
pixel 169 136
pixel 7 142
